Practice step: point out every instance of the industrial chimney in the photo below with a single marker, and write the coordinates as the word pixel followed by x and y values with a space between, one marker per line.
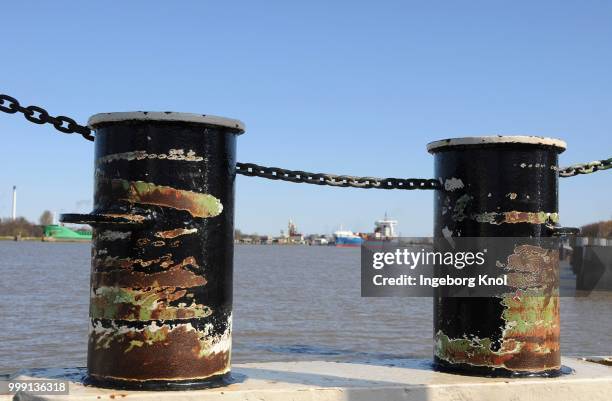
pixel 14 202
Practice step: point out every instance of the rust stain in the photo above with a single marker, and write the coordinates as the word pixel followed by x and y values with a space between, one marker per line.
pixel 116 218
pixel 110 262
pixel 195 203
pixel 534 267
pixel 530 337
pixel 177 232
pixel 530 340
pixel 175 276
pixel 130 217
pixel 193 353
pixel 122 303
pixel 114 262
pixel 513 355
pixel 513 217
pixel 531 217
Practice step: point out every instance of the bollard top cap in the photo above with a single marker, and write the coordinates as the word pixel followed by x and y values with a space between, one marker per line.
pixel 436 146
pixel 97 119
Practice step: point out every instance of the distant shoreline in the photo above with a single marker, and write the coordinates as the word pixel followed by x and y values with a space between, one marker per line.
pixel 40 239
pixel 11 238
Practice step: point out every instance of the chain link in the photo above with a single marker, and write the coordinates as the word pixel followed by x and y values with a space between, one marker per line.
pixel 275 173
pixel 585 168
pixel 67 125
pixel 38 115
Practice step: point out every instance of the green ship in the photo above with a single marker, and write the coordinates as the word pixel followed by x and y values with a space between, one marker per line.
pixel 54 232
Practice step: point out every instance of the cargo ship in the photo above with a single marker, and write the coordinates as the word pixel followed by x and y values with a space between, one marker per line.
pixel 54 232
pixel 384 231
pixel 347 239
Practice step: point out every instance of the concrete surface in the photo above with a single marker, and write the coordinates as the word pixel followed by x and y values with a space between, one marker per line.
pixel 408 380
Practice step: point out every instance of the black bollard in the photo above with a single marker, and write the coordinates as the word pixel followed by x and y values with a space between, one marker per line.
pixel 500 186
pixel 162 252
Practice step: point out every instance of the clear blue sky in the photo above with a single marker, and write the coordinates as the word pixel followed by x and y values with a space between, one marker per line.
pixel 333 86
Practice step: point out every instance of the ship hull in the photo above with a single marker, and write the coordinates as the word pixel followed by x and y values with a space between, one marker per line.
pixel 56 233
pixel 343 242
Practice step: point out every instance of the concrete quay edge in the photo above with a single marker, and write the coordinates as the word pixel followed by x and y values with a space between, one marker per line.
pixel 393 379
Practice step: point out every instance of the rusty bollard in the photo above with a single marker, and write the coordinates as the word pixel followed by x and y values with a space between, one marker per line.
pixel 500 186
pixel 162 251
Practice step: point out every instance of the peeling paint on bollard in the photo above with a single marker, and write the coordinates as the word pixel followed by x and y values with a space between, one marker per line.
pixel 506 191
pixel 161 282
pixel 177 232
pixel 513 217
pixel 530 335
pixel 197 204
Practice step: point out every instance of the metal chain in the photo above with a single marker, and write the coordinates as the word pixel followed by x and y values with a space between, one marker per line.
pixel 275 173
pixel 38 115
pixel 67 125
pixel 585 168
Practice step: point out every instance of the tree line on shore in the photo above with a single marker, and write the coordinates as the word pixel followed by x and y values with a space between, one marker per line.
pixel 602 229
pixel 24 228
pixel 20 226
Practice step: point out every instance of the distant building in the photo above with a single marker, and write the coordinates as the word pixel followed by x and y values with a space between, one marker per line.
pixel 294 237
pixel 320 241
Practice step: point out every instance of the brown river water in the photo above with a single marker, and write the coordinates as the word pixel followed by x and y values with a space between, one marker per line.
pixel 290 302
